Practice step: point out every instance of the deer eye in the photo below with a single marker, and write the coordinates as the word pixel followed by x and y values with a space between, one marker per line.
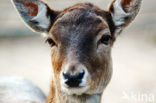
pixel 50 42
pixel 106 39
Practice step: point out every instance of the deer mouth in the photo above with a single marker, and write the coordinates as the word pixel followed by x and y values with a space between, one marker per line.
pixel 75 90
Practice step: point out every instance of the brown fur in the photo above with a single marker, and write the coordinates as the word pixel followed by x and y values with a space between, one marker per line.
pixel 127 4
pixel 81 37
pixel 34 8
pixel 99 65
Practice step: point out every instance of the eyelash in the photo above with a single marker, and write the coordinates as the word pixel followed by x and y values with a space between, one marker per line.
pixel 105 39
pixel 50 42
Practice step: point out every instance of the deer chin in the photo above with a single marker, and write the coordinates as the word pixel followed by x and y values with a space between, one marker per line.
pixel 75 90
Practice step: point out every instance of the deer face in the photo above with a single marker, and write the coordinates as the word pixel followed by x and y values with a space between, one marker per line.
pixel 81 38
pixel 81 53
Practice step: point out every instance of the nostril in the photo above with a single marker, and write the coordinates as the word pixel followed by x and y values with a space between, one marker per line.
pixel 73 80
pixel 66 75
pixel 80 75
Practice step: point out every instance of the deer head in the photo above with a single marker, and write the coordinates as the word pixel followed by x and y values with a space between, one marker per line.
pixel 81 38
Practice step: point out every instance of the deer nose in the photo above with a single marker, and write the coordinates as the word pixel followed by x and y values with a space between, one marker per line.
pixel 74 80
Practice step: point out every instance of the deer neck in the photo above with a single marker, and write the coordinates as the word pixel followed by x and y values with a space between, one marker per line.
pixel 56 96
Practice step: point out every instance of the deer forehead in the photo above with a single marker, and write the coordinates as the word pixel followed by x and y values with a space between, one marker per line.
pixel 77 23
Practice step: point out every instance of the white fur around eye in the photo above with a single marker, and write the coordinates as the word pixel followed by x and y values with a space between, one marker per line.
pixel 102 48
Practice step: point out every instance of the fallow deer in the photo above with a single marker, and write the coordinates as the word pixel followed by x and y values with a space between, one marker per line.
pixel 81 38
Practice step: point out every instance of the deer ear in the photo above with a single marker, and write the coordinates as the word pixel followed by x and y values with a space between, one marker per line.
pixel 123 12
pixel 36 14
